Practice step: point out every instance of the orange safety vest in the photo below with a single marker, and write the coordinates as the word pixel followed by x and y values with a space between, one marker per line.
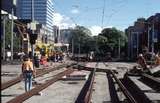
pixel 157 61
pixel 27 66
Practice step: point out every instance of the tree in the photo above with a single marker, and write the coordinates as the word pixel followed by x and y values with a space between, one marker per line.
pixel 16 38
pixel 100 44
pixel 113 36
pixel 81 36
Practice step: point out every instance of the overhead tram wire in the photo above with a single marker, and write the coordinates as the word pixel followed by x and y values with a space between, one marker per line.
pixel 103 12
pixel 121 3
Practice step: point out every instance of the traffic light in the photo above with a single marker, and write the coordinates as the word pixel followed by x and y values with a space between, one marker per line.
pixel 33 38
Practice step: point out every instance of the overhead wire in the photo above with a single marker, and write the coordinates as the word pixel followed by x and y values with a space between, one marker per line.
pixel 114 11
pixel 103 12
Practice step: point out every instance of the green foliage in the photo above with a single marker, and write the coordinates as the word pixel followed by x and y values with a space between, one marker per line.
pixel 113 36
pixel 16 43
pixel 16 39
pixel 82 36
pixel 8 33
pixel 106 41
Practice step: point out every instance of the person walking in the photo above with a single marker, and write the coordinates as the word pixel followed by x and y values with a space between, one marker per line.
pixel 28 72
pixel 157 60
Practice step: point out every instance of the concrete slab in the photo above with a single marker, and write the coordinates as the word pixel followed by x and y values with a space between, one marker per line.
pixel 155 69
pixel 153 96
pixel 59 92
pixel 141 85
pixel 101 93
pixel 76 75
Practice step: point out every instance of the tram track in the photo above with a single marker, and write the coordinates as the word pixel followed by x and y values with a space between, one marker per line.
pixel 86 92
pixel 126 89
pixel 34 91
pixel 38 74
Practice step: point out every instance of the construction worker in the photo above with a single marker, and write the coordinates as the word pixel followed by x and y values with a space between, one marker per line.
pixel 142 62
pixel 157 60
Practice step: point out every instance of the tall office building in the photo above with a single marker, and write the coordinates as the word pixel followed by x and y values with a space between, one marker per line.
pixel 43 11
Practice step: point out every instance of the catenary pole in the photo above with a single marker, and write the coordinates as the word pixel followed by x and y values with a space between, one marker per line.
pixel 4 37
pixel 32 10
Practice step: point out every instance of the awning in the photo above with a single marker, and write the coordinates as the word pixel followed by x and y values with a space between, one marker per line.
pixel 60 44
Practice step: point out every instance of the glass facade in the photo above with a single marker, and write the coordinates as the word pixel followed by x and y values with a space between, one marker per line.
pixel 43 11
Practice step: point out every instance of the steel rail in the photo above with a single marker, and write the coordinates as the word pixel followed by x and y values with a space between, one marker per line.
pixel 86 92
pixel 34 91
pixel 20 78
pixel 124 89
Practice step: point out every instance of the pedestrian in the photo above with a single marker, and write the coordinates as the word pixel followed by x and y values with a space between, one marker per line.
pixel 28 72
pixel 157 60
pixel 8 55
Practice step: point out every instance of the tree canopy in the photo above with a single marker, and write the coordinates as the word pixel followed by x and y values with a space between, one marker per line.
pixel 106 41
pixel 81 36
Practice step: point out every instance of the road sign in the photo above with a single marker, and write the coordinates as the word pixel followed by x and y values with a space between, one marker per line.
pixel 32 25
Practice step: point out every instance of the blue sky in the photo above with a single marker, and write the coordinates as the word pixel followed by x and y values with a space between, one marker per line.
pixel 117 13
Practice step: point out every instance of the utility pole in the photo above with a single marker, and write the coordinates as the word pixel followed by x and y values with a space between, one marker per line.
pixel 79 50
pixel 152 39
pixel 72 46
pixel 4 32
pixel 137 43
pixel 32 10
pixel 152 42
pixel 12 26
pixel 131 45
pixel 119 48
pixel 12 35
pixel 148 38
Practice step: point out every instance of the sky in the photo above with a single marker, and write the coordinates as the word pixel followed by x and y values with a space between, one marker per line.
pixel 115 13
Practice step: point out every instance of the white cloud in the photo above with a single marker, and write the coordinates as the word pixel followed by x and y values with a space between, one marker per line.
pixel 62 21
pixel 95 30
pixel 74 11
